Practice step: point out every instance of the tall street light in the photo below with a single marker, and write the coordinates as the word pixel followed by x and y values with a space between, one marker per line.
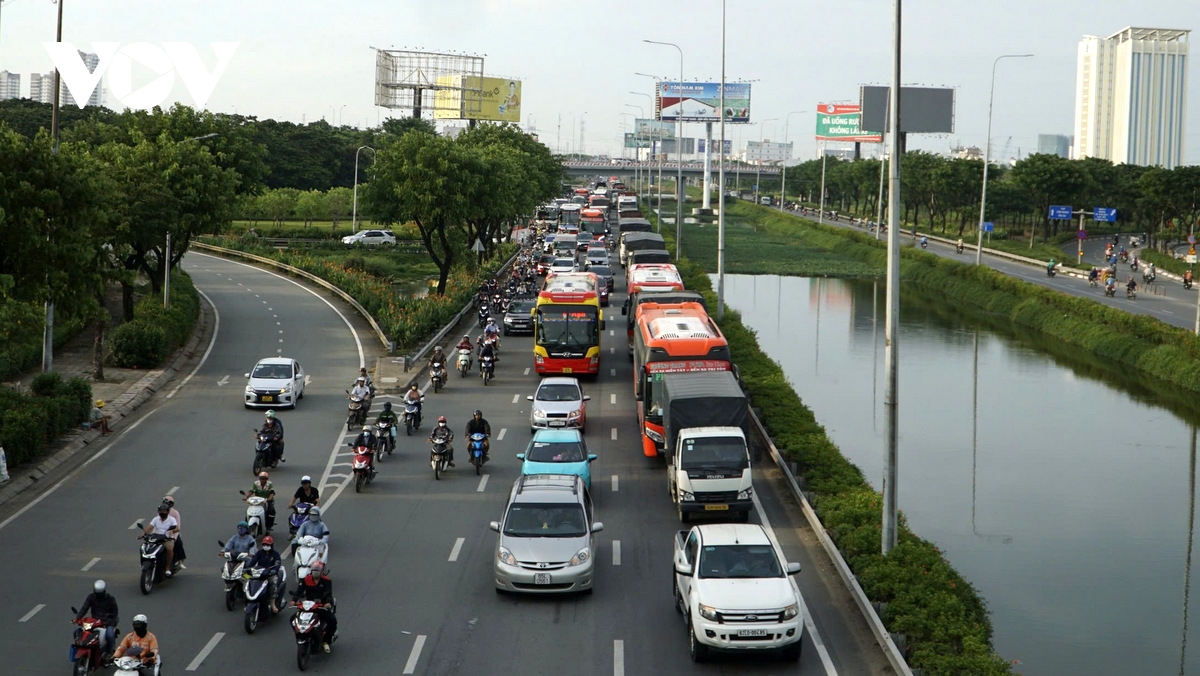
pixel 987 152
pixel 48 326
pixel 657 133
pixel 637 148
pixel 762 124
pixel 783 180
pixel 354 216
pixel 678 150
pixel 721 186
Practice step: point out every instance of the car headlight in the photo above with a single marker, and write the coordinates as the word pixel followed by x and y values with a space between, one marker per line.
pixel 581 557
pixel 576 413
pixel 685 496
pixel 539 413
pixel 507 319
pixel 249 390
pixel 506 557
pixel 655 436
pixel 286 388
pixel 746 494
pixel 791 611
pixel 708 612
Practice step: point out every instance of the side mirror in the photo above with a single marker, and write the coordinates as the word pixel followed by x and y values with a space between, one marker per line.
pixel 246 375
pixel 494 525
pixel 529 398
pixel 520 456
pixel 220 544
pixel 601 324
pixel 587 397
pixel 139 525
pixel 74 610
pixel 597 527
pixel 682 568
pixel 241 492
pixel 592 457
pixel 793 568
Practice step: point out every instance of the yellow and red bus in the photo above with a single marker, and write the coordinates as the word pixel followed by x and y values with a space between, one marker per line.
pixel 671 338
pixel 567 322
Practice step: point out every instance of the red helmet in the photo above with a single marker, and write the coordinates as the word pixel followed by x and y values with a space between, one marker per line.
pixel 441 418
pixel 268 541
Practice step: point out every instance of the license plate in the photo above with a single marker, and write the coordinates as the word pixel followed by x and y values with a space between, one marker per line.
pixel 541 578
pixel 267 399
pixel 752 632
pixel 557 423
pixel 568 370
pixel 716 508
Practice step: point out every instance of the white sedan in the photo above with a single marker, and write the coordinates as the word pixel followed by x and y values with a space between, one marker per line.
pixel 370 238
pixel 275 382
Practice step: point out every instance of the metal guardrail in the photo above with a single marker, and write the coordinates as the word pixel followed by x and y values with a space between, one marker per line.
pixel 387 344
pixel 890 650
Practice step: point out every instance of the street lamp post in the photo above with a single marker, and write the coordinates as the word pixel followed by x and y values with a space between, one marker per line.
pixel 783 179
pixel 762 124
pixel 354 216
pixel 721 186
pixel 48 326
pixel 987 152
pixel 657 137
pixel 679 191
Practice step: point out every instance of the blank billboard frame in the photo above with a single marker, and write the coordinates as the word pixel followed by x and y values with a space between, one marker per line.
pixel 923 110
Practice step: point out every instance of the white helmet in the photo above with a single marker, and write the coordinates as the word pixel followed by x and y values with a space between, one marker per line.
pixel 140 619
pixel 368 428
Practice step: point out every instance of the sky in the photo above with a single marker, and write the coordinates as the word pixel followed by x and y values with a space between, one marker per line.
pixel 302 60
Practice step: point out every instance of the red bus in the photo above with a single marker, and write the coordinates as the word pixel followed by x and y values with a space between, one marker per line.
pixel 648 279
pixel 566 325
pixel 671 338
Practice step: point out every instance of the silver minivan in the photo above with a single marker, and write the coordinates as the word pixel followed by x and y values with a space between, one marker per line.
pixel 547 541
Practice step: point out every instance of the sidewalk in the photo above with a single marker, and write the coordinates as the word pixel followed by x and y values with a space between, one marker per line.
pixel 123 391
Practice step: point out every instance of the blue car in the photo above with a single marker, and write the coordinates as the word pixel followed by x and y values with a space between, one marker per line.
pixel 558 452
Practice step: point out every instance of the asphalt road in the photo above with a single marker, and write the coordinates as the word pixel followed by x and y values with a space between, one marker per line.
pixel 410 556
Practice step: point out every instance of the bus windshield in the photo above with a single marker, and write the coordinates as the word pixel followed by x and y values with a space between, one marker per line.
pixel 568 326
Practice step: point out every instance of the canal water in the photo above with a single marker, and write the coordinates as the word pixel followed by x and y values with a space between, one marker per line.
pixel 1063 489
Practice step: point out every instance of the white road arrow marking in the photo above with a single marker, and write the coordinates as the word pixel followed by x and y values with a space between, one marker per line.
pixel 223 381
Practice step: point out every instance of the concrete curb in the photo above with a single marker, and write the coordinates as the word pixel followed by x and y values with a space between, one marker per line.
pixel 27 476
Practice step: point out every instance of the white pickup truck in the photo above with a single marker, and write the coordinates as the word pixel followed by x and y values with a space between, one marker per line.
pixel 734 593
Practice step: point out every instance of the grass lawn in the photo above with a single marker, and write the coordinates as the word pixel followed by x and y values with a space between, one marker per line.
pixel 314 230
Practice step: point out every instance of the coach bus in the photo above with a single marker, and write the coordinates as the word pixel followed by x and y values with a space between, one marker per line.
pixel 566 325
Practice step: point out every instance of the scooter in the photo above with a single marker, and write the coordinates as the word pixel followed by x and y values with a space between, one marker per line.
pixel 364 473
pixel 356 411
pixel 154 560
pixel 475 448
pixel 298 518
pixel 484 311
pixel 924 242
pixel 464 362
pixel 1050 272
pixel 260 604
pixel 1110 290
pixel 88 646
pixel 412 416
pixel 231 573
pixel 307 551
pixel 1187 284
pixel 437 375
pixel 387 438
pixel 486 369
pixel 130 665
pixel 264 451
pixel 958 248
pixel 1130 293
pixel 256 513
pixel 439 458
pixel 309 629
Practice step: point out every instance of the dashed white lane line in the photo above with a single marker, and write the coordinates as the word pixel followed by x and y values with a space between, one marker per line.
pixel 281 330
pixel 89 565
pixel 281 340
pixel 172 491
pixel 516 398
pixel 615 483
pixel 618 658
pixel 410 667
pixel 500 437
pixel 616 547
pixel 482 483
pixel 208 648
pixel 610 332
pixel 240 284
pixel 614 434
pixel 612 350
pixel 458 544
pixel 29 615
pixel 612 398
pixel 526 370
pixel 278 323
pixel 271 309
pixel 133 526
pixel 612 372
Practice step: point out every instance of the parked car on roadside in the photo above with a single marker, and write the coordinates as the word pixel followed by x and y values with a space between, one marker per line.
pixel 370 238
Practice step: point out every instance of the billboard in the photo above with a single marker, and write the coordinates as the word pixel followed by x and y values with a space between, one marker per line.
pixel 653 129
pixel 728 145
pixel 634 141
pixel 699 101
pixel 479 98
pixel 923 110
pixel 840 122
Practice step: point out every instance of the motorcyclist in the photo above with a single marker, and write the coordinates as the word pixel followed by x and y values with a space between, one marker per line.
pixel 1187 279
pixel 267 557
pixel 274 427
pixel 387 415
pixel 1110 284
pixel 362 373
pixel 306 493
pixel 102 606
pixel 486 350
pixel 1093 275
pixel 437 358
pixel 369 439
pixel 924 240
pixel 164 524
pixel 491 330
pixel 959 245
pixel 140 643
pixel 442 433
pixel 264 488
pixel 1050 266
pixel 242 543
pixel 316 586
pixel 362 391
pixel 1131 287
pixel 479 424
pixel 178 537
pixel 465 344
pixel 316 528
pixel 413 396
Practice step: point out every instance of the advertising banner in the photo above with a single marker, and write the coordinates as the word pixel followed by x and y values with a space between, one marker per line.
pixel 634 141
pixel 839 122
pixel 699 101
pixel 653 129
pixel 728 145
pixel 497 100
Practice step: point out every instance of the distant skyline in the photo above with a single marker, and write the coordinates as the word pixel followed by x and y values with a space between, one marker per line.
pixel 303 60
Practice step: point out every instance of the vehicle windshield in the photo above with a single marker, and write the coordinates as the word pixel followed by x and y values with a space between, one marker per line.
pixel 520 307
pixel 737 561
pixel 555 451
pixel 564 392
pixel 568 326
pixel 545 520
pixel 716 453
pixel 601 270
pixel 272 371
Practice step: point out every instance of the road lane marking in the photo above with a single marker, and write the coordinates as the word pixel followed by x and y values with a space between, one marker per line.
pixel 526 370
pixel 610 332
pixel 89 565
pixel 614 434
pixel 457 549
pixel 223 381
pixel 410 667
pixel 618 658
pixel 279 350
pixel 482 483
pixel 612 372
pixel 612 398
pixel 615 483
pixel 211 341
pixel 500 437
pixel 612 350
pixel 616 546
pixel 27 616
pixel 208 648
pixel 134 526
pixel 278 323
pixel 516 398
pixel 281 340
pixel 240 284
pixel 172 491
pixel 255 295
pixel 281 331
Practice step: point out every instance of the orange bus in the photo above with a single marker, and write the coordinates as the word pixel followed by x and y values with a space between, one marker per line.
pixel 671 338
pixel 647 279
pixel 567 322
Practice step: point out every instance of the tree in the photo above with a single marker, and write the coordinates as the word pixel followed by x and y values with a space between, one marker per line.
pixel 1049 179
pixel 310 206
pixel 278 204
pixel 338 203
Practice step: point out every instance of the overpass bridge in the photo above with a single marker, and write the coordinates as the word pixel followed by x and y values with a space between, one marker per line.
pixel 627 168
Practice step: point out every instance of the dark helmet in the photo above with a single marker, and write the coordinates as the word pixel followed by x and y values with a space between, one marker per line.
pixel 387 405
pixel 478 413
pixel 163 509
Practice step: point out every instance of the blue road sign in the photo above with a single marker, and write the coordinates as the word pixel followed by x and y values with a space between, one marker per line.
pixel 1104 214
pixel 988 226
pixel 1060 213
pixel 1082 234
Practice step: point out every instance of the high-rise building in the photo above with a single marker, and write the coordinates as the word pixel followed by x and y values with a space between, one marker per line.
pixel 97 97
pixel 41 87
pixel 1131 97
pixel 1054 144
pixel 10 85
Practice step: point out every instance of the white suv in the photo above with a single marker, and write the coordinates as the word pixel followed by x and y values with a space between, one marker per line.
pixel 370 238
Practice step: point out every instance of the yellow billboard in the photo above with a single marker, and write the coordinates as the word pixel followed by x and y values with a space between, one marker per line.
pixel 488 98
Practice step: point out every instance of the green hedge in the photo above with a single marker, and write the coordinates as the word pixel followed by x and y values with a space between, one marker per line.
pixel 155 332
pixel 30 420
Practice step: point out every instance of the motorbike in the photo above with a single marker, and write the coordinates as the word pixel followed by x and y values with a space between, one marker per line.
pixel 387 438
pixel 364 473
pixel 412 416
pixel 129 665
pixel 1134 265
pixel 298 518
pixel 958 248
pixel 356 411
pixel 1149 277
pixel 264 451
pixel 260 606
pixel 437 376
pixel 87 649
pixel 493 340
pixel 1124 257
pixel 231 573
pixel 307 551
pixel 475 448
pixel 464 362
pixel 1093 281
pixel 154 560
pixel 1187 283
pixel 924 243
pixel 1050 272
pixel 1130 293
pixel 256 514
pixel 486 369
pixel 483 315
pixel 309 629
pixel 1110 290
pixel 439 458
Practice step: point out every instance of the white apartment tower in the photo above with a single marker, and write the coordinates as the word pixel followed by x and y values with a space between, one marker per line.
pixel 10 85
pixel 1131 97
pixel 97 98
pixel 41 87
